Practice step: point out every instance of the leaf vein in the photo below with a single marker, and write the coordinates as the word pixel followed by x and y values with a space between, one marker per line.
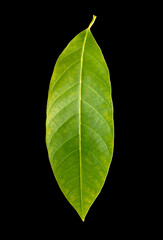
pixel 49 108
pixel 60 111
pixel 101 80
pixel 96 111
pixel 70 180
pixel 65 158
pixel 67 170
pixel 60 60
pixel 100 163
pixel 63 74
pixel 98 135
pixel 61 126
pixel 90 171
pixel 72 191
pixel 97 93
pixel 97 60
pixel 63 144
pixel 90 185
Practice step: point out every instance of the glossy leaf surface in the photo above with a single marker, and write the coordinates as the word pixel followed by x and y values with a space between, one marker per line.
pixel 79 124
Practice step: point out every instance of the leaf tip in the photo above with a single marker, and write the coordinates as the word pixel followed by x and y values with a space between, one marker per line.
pixel 83 219
pixel 82 216
pixel 92 22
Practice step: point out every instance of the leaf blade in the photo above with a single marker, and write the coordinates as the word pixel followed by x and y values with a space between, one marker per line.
pixel 79 124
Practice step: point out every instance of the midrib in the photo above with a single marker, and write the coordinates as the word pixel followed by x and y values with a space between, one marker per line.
pixel 80 95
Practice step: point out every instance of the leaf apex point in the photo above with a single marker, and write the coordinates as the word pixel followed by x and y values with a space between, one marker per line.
pixel 83 219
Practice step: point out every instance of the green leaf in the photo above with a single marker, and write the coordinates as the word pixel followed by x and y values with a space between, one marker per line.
pixel 79 124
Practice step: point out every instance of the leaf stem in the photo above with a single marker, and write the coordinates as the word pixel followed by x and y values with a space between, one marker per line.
pixel 92 22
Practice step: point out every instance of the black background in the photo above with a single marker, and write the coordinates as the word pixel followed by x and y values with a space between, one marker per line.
pixel 36 37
